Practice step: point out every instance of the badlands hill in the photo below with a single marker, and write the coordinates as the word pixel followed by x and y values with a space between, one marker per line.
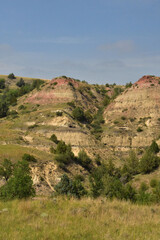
pixel 132 120
pixel 116 119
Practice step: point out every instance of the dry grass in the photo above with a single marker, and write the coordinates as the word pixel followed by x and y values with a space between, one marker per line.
pixel 15 153
pixel 73 219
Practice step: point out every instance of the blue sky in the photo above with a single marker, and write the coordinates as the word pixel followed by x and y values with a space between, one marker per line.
pixel 100 41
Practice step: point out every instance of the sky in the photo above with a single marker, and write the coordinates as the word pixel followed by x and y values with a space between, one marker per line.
pixel 100 41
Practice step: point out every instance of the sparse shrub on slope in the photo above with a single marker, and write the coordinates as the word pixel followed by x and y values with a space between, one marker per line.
pixel 20 83
pixel 106 100
pixel 78 114
pixel 3 108
pixel 2 83
pixel 29 158
pixel 84 159
pixel 54 139
pixel 154 147
pixel 64 154
pixel 88 116
pixel 96 123
pixel 128 85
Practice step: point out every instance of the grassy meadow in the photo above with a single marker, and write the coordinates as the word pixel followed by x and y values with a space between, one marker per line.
pixel 72 219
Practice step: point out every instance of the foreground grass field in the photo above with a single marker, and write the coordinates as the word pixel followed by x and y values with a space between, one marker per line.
pixel 73 219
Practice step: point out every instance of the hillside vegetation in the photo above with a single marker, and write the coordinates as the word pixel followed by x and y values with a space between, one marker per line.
pixel 100 133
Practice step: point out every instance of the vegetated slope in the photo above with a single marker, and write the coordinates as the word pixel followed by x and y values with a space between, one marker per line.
pixel 73 111
pixel 132 120
pixel 49 110
pixel 43 112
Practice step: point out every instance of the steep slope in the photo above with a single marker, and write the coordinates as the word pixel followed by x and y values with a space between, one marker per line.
pixel 45 111
pixel 133 119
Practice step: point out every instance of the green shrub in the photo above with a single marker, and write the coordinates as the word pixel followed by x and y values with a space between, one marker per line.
pixel 96 183
pixel 11 76
pixel 70 188
pixel 149 162
pixel 128 85
pixel 153 183
pixel 123 118
pixel 21 107
pixel 59 114
pixel 2 83
pixel 3 108
pixel 139 129
pixel 88 116
pixel 154 147
pixel 106 100
pixel 6 169
pixel 54 139
pixel 20 185
pixel 64 154
pixel 144 197
pixel 84 159
pixel 20 83
pixel 78 114
pixel 29 158
pixel 71 104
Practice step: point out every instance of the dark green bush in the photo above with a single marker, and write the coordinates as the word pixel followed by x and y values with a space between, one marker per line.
pixel 139 129
pixel 69 187
pixel 20 83
pixel 71 104
pixel 106 100
pixel 84 159
pixel 149 162
pixel 78 114
pixel 154 147
pixel 20 184
pixel 54 139
pixel 3 108
pixel 29 158
pixel 88 116
pixel 64 154
pixel 11 76
pixel 128 85
pixel 21 107
pixel 59 114
pixel 2 83
pixel 123 118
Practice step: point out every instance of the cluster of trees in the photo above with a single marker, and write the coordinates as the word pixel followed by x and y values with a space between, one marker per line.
pixel 18 180
pixel 111 182
pixel 64 155
pixel 82 116
pixel 9 96
pixel 97 122
pixel 146 164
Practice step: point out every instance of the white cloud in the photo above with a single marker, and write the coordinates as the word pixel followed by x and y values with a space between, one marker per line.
pixel 124 46
pixel 62 40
